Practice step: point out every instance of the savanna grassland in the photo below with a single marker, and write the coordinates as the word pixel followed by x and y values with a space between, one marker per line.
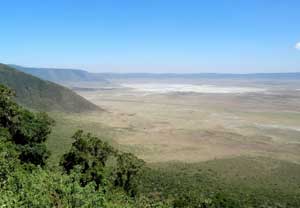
pixel 240 149
pixel 193 127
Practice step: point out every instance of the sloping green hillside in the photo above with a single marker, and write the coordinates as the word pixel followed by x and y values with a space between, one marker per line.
pixel 62 75
pixel 43 95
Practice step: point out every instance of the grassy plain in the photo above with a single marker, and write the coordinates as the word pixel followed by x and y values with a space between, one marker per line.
pixel 193 127
pixel 245 146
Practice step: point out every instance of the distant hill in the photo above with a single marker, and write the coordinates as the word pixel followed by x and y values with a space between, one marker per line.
pixel 62 75
pixel 43 95
pixel 76 75
pixel 290 75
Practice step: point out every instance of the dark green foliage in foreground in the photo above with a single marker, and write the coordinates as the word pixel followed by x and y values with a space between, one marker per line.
pixel 22 183
pixel 91 156
pixel 27 131
pixel 8 156
pixel 26 181
pixel 39 94
pixel 43 188
pixel 128 166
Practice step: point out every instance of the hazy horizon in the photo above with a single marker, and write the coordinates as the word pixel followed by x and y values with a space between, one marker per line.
pixel 149 72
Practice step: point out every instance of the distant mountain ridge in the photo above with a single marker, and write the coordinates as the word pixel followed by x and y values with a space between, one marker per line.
pixel 61 75
pixel 43 95
pixel 74 75
pixel 289 75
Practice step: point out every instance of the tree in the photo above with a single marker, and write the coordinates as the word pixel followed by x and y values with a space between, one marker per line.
pixel 8 156
pixel 8 108
pixel 128 167
pixel 27 130
pixel 90 154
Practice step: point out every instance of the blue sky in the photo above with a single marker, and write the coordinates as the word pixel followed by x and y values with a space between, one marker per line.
pixel 152 35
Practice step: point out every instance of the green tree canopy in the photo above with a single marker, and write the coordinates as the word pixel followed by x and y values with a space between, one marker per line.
pixel 91 154
pixel 26 129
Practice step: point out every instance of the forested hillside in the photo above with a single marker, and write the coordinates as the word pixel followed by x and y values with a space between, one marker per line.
pixel 43 95
pixel 62 75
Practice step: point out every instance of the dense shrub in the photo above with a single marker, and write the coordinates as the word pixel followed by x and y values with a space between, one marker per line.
pixel 128 167
pixel 91 155
pixel 27 130
pixel 44 188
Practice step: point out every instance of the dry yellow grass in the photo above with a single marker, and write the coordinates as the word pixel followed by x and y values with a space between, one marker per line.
pixel 197 127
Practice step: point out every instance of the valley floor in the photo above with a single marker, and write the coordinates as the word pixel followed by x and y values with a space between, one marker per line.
pixel 192 127
pixel 244 145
